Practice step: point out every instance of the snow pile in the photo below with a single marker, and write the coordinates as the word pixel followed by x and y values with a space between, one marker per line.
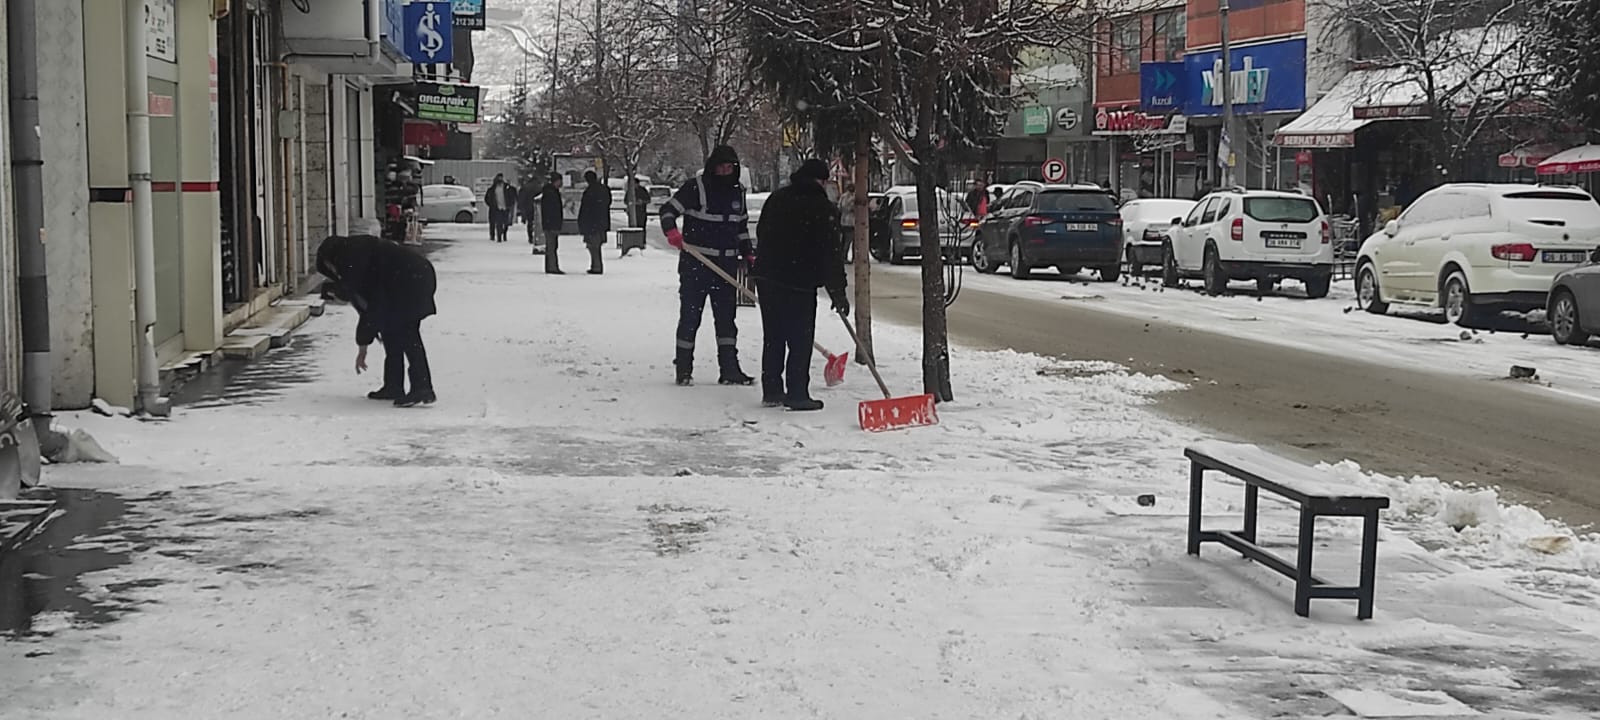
pixel 1473 523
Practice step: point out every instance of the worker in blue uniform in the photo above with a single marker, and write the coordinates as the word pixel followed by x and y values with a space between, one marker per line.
pixel 716 225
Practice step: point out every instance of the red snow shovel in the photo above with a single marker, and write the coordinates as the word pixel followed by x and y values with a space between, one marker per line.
pixel 890 413
pixel 832 373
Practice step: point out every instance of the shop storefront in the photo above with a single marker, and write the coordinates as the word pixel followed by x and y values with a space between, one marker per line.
pixel 1149 155
pixel 1057 127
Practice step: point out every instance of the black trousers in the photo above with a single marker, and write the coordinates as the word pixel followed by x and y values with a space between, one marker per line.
pixel 695 286
pixel 788 327
pixel 402 345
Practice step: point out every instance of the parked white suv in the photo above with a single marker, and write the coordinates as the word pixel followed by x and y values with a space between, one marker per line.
pixel 1260 235
pixel 1476 249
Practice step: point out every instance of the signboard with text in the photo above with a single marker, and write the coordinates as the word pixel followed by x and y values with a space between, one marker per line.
pixel 1269 77
pixel 447 103
pixel 1036 120
pixel 161 35
pixel 469 14
pixel 429 37
pixel 1161 87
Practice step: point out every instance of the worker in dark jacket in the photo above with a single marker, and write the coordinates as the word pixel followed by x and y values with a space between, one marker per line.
pixel 392 288
pixel 594 219
pixel 550 219
pixel 717 227
pixel 800 252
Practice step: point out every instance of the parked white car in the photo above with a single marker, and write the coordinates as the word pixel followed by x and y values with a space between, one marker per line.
pixel 1477 249
pixel 1144 229
pixel 448 203
pixel 1261 235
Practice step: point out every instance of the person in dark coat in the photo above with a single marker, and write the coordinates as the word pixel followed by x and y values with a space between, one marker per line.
pixel 716 225
pixel 392 288
pixel 594 219
pixel 528 209
pixel 798 237
pixel 551 216
pixel 639 202
pixel 502 201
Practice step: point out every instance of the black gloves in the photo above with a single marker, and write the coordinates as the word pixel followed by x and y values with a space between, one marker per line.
pixel 841 301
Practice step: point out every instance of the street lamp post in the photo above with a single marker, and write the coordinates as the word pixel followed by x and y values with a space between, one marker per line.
pixel 1225 152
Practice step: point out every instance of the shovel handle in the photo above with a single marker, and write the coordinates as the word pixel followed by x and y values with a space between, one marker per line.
pixel 861 353
pixel 741 288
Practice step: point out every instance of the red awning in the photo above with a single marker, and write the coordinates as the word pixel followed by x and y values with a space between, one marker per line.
pixel 1581 159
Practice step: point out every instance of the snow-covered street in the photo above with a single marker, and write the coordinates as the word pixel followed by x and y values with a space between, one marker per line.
pixel 566 534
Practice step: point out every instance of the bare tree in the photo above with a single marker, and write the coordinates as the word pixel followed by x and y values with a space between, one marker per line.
pixel 1561 34
pixel 1461 69
pixel 717 89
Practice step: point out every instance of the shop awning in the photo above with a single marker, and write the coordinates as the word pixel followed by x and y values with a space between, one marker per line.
pixel 1331 122
pixel 1581 159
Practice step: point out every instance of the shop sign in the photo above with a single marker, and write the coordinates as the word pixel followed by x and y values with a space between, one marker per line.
pixel 447 103
pixel 469 14
pixel 1319 140
pixel 394 22
pixel 1067 119
pixel 1270 77
pixel 1161 86
pixel 161 106
pixel 160 37
pixel 1036 120
pixel 429 39
pixel 1135 122
pixel 1389 112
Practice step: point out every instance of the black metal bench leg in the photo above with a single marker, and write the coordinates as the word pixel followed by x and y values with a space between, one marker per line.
pixel 1302 582
pixel 1252 495
pixel 1369 565
pixel 1197 476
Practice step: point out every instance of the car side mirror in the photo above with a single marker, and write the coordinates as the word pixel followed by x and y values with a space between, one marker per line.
pixel 1391 228
pixel 1177 221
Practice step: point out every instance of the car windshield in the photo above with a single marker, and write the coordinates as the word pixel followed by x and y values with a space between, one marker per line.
pixel 1575 209
pixel 1162 210
pixel 1281 209
pixel 1075 201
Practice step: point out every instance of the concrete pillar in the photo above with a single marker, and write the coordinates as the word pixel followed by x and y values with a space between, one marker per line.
pixel 198 161
pixel 369 172
pixel 110 241
pixel 316 168
pixel 339 154
pixel 66 200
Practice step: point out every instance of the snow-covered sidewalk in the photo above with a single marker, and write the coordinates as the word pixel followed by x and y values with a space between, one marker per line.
pixel 568 535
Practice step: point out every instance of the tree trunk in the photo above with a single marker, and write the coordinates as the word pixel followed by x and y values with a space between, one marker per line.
pixel 935 333
pixel 862 248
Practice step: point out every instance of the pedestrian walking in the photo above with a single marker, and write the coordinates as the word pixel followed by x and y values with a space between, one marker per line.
pixel 800 252
pixel 716 225
pixel 392 288
pixel 550 219
pixel 528 209
pixel 594 219
pixel 502 202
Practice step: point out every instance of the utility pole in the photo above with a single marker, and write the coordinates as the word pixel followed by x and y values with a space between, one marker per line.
pixel 1225 151
pixel 555 65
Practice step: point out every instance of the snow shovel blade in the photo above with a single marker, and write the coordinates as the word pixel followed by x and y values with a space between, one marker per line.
pixel 833 372
pixel 898 413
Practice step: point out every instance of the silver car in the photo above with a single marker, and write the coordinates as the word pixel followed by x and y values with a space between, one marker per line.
pixel 1574 305
pixel 448 203
pixel 903 220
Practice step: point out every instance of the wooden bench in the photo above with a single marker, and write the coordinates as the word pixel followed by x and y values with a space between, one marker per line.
pixel 1261 470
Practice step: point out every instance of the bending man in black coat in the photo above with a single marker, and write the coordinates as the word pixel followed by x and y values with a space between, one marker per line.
pixel 798 238
pixel 392 288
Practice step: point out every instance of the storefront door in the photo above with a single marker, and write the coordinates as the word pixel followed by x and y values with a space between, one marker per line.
pixel 168 222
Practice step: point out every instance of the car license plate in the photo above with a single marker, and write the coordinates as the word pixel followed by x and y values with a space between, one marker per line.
pixel 1284 243
pixel 1565 257
pixel 1082 227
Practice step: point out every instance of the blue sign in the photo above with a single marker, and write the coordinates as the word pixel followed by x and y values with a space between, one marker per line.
pixel 394 22
pixel 1270 77
pixel 429 37
pixel 1161 87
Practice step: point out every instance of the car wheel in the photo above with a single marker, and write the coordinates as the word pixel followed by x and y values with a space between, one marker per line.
pixel 1216 282
pixel 1265 286
pixel 1019 269
pixel 1110 273
pixel 464 217
pixel 1565 325
pixel 896 257
pixel 1169 267
pixel 1317 287
pixel 1367 295
pixel 980 258
pixel 1134 268
pixel 1455 296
